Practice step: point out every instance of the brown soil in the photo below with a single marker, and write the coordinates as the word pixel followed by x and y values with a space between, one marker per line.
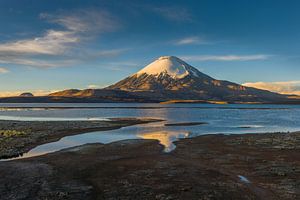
pixel 206 167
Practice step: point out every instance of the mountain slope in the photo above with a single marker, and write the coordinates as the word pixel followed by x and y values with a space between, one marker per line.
pixel 168 77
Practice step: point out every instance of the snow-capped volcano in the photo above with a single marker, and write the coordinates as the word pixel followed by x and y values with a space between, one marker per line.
pixel 169 78
pixel 165 73
pixel 170 65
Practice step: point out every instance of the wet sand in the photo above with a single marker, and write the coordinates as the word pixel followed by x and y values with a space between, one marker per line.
pixel 18 137
pixel 250 166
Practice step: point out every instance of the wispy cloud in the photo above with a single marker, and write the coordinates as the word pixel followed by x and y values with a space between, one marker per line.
pixel 174 13
pixel 84 21
pixel 287 87
pixel 52 43
pixel 37 63
pixel 3 70
pixel 121 65
pixel 226 57
pixel 105 53
pixel 191 41
pixel 93 86
pixel 75 28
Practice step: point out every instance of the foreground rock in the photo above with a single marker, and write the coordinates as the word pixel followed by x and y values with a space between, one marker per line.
pixel 257 166
pixel 18 137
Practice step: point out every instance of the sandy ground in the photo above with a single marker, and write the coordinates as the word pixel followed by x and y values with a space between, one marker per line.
pixel 252 166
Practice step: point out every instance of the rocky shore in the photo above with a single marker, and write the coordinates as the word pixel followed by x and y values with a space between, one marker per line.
pixel 250 166
pixel 18 137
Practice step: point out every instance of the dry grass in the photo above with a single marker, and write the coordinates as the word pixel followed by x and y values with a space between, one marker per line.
pixel 11 133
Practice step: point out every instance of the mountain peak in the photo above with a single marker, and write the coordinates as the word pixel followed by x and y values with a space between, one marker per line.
pixel 169 78
pixel 171 65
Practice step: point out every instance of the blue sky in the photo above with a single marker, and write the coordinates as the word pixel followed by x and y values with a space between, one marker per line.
pixel 58 44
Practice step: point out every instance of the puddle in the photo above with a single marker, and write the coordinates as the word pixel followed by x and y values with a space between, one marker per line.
pixel 244 179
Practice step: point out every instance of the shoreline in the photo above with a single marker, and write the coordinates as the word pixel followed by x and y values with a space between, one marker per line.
pixel 18 137
pixel 248 166
pixel 292 100
pixel 147 107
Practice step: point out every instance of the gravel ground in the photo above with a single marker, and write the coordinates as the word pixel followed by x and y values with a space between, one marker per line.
pixel 250 166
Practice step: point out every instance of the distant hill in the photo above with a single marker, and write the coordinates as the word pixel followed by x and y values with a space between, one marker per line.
pixel 168 78
pixel 26 94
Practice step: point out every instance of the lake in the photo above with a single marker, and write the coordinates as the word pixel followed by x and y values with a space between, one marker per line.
pixel 237 118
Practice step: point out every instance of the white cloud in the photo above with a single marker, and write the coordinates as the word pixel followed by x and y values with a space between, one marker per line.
pixel 52 43
pixel 76 28
pixel 287 87
pixel 84 21
pixel 92 86
pixel 37 63
pixel 191 40
pixel 3 70
pixel 60 61
pixel 226 57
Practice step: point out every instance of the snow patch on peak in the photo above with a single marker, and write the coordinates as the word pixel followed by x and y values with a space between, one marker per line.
pixel 171 65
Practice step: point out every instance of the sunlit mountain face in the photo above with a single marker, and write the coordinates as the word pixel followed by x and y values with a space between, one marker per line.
pixel 173 78
pixel 167 78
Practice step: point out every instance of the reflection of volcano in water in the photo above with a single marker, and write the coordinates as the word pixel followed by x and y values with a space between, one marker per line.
pixel 166 138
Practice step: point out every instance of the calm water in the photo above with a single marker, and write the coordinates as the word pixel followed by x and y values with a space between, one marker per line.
pixel 220 118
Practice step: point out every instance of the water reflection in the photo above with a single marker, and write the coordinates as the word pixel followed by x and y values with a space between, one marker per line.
pixel 219 121
pixel 165 138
